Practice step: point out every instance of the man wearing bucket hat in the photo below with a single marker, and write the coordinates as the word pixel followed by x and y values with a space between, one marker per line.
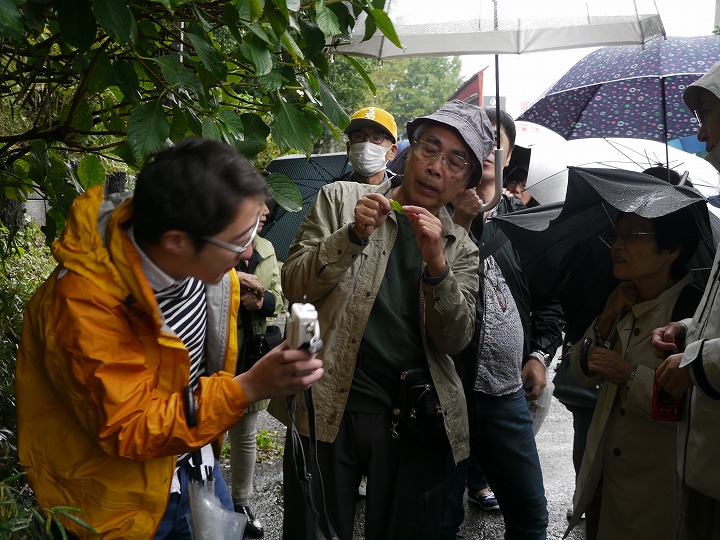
pixel 692 368
pixel 394 287
pixel 372 142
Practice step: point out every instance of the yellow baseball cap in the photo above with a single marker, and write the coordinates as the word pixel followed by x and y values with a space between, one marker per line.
pixel 373 117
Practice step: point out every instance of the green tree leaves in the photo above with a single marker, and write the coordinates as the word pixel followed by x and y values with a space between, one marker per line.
pixel 91 82
pixel 116 18
pixel 148 129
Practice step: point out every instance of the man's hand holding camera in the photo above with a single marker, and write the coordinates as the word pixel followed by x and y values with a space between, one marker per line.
pixel 281 372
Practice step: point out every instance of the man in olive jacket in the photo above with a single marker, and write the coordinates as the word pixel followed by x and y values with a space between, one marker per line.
pixel 395 290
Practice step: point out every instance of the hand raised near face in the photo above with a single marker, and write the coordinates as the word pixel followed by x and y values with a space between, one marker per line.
pixel 371 211
pixel 428 231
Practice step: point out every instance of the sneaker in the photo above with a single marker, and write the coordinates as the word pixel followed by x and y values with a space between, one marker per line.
pixel 362 488
pixel 486 501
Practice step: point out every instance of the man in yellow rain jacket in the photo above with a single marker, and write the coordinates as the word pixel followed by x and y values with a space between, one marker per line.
pixel 142 306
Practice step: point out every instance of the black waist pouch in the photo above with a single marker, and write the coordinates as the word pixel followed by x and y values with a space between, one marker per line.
pixel 417 414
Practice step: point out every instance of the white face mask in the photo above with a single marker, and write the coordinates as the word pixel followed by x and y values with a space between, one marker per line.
pixel 367 158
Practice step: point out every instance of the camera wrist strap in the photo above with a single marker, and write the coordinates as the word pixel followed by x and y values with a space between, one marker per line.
pixel 304 477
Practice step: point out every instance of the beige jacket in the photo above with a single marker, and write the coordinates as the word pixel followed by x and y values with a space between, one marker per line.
pixel 631 453
pixel 342 280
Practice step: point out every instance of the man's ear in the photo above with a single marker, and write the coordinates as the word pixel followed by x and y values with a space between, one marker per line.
pixel 391 153
pixel 175 242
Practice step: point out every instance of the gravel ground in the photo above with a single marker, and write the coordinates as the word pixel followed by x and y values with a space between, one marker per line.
pixel 554 445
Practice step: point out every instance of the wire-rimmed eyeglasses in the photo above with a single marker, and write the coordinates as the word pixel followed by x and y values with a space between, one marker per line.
pixel 627 236
pixel 430 152
pixel 237 249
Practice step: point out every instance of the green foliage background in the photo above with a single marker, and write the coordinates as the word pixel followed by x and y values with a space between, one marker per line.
pixel 87 86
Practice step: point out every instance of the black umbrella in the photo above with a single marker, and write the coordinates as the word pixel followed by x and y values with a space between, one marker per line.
pixel 561 246
pixel 309 175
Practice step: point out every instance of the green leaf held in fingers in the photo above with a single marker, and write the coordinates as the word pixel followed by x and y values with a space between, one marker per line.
pixel 397 207
pixel 285 192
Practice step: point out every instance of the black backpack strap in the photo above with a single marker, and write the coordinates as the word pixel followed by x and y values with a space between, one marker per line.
pixel 492 245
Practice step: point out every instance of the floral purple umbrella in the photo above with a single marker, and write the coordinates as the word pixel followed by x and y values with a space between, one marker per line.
pixel 628 91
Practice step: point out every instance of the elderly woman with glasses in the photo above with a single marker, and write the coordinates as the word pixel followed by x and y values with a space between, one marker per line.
pixel 627 483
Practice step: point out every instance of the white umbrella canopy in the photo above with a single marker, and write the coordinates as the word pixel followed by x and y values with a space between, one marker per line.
pixel 458 27
pixel 548 174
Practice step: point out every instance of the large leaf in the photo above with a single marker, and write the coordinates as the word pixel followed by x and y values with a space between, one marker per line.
pixel 331 107
pixel 209 55
pixel 117 19
pixel 127 80
pixel 82 118
pixel 210 130
pixel 77 22
pixel 285 192
pixel 292 47
pixel 179 78
pixel 148 129
pixel 255 133
pixel 231 126
pixel 11 24
pixel 103 75
pixel 313 37
pixel 361 70
pixel 326 19
pixel 386 26
pixel 282 7
pixel 272 82
pixel 291 130
pixel 90 172
pixel 259 54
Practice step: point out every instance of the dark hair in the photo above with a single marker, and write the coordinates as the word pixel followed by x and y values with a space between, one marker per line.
pixel 194 187
pixel 678 229
pixel 668 175
pixel 473 177
pixel 506 123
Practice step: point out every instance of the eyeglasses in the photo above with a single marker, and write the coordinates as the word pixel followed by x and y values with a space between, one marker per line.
pixel 430 152
pixel 700 115
pixel 374 137
pixel 628 236
pixel 232 247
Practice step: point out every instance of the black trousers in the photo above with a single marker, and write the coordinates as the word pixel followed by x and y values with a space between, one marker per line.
pixel 407 483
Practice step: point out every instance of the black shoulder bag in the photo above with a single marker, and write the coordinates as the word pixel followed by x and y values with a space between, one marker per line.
pixel 257 345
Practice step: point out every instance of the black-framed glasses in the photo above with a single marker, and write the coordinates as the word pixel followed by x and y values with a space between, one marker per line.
pixel 627 236
pixel 374 137
pixel 430 152
pixel 233 247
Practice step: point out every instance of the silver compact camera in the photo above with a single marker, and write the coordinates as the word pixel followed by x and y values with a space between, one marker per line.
pixel 302 330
